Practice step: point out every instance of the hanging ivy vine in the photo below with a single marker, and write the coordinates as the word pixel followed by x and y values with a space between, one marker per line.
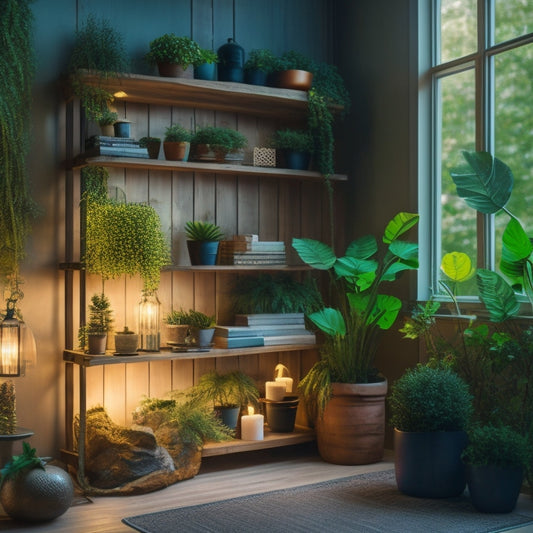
pixel 17 65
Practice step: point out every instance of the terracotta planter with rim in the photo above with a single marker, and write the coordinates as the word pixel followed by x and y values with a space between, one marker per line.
pixel 176 151
pixel 352 428
pixel 300 80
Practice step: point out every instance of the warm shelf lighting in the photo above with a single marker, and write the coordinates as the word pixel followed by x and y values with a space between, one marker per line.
pixel 120 94
pixel 149 329
pixel 17 346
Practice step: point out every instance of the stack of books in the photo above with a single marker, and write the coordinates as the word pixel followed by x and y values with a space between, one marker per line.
pixel 277 328
pixel 249 250
pixel 114 146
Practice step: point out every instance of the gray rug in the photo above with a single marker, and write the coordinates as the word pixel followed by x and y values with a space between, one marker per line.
pixel 368 503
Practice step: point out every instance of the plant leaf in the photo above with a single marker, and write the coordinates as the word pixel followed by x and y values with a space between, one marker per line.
pixel 487 186
pixel 315 253
pixel 362 248
pixel 399 225
pixel 497 295
pixel 330 321
pixel 457 266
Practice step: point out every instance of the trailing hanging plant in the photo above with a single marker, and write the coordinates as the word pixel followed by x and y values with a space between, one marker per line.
pixel 100 48
pixel 17 64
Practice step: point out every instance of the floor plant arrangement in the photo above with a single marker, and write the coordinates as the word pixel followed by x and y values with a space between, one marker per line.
pixel 351 331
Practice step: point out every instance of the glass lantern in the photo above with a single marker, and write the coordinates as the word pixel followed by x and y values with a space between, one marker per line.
pixel 149 329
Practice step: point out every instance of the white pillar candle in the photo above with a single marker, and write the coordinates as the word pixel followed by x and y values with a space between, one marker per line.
pixel 275 390
pixel 287 381
pixel 252 426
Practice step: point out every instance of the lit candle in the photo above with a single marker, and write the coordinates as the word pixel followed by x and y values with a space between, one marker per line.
pixel 252 426
pixel 275 390
pixel 287 381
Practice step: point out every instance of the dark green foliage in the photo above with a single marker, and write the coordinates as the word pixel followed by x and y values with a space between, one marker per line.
pixel 280 293
pixel 430 399
pixel 143 141
pixel 293 60
pixel 177 133
pixel 199 230
pixel 17 64
pixel 22 463
pixel 223 139
pixel 176 318
pixel 197 319
pixel 233 389
pixel 196 423
pixel 261 59
pixel 497 445
pixel 169 48
pixel 296 140
pixel 100 319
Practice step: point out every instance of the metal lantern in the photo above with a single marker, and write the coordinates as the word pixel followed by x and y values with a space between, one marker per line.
pixel 149 325
pixel 17 346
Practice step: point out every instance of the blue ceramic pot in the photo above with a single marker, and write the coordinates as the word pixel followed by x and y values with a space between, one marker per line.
pixel 206 71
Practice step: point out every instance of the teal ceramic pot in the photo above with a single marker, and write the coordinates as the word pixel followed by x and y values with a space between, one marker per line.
pixel 206 71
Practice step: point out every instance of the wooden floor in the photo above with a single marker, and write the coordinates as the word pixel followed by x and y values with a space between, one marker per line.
pixel 219 478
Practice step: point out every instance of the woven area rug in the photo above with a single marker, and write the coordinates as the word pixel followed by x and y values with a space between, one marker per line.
pixel 366 503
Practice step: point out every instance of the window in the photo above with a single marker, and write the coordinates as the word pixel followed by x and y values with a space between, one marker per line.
pixel 476 93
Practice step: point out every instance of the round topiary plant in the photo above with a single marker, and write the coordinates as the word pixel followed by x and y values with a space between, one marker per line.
pixel 430 399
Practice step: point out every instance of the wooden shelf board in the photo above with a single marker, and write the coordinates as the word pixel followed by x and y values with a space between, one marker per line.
pixel 212 168
pixel 210 268
pixel 271 440
pixel 217 95
pixel 83 359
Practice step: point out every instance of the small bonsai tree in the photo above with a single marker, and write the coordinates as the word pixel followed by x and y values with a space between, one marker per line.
pixel 100 319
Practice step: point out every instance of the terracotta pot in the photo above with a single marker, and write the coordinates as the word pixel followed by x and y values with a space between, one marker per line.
pixel 352 428
pixel 176 151
pixel 107 130
pixel 172 70
pixel 300 80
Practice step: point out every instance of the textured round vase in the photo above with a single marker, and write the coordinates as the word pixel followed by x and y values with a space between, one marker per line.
pixel 37 495
pixel 352 428
pixel 428 464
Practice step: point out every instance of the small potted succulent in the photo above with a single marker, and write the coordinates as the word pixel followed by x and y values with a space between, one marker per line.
pixel 201 328
pixel 106 119
pixel 177 323
pixel 152 144
pixel 202 241
pixel 174 56
pixel 206 67
pixel 176 144
pixel 215 143
pixel 126 342
pixel 296 146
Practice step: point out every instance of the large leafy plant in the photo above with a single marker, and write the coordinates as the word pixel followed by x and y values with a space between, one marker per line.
pixel 362 310
pixel 486 185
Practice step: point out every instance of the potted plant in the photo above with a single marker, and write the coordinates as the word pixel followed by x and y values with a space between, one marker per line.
pixel 430 410
pixel 336 386
pixel 201 328
pixel 126 342
pixel 202 241
pixel 176 143
pixel 296 145
pixel 106 120
pixel 121 238
pixel 99 48
pixel 33 491
pixel 214 143
pixel 260 64
pixel 152 144
pixel 177 323
pixel 205 68
pixel 495 458
pixel 295 71
pixel 174 56
pixel 227 393
pixel 94 333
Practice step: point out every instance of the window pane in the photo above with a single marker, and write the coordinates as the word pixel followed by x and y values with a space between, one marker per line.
pixel 513 131
pixel 458 31
pixel 513 19
pixel 458 221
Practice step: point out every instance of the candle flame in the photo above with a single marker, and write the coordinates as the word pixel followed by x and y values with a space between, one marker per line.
pixel 251 410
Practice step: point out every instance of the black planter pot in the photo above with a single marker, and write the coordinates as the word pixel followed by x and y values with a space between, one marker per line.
pixel 256 77
pixel 297 160
pixel 202 252
pixel 494 489
pixel 280 416
pixel 428 465
pixel 228 415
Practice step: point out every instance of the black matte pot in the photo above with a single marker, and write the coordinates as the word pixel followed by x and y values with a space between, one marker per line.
pixel 428 464
pixel 281 416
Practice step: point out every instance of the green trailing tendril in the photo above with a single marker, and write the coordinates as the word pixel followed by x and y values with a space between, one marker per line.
pixel 17 64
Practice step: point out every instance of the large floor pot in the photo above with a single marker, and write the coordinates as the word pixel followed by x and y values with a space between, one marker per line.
pixel 352 428
pixel 428 465
pixel 494 489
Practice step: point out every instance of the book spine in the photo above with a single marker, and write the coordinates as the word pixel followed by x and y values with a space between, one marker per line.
pixel 290 339
pixel 238 342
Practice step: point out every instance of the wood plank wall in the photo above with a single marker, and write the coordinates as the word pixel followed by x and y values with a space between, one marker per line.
pixel 275 209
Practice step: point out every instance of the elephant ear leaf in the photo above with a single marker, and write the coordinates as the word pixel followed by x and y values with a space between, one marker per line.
pixel 487 185
pixel 399 225
pixel 497 295
pixel 330 321
pixel 315 253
